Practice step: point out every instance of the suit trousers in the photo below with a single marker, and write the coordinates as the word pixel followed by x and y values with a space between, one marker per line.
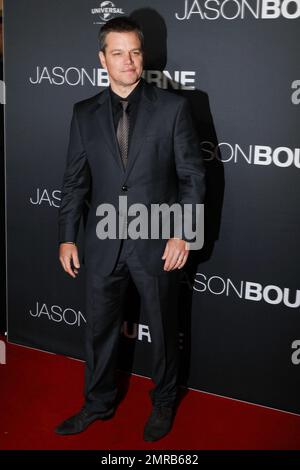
pixel 104 300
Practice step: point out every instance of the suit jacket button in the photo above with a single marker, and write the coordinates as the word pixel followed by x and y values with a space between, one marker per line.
pixel 124 188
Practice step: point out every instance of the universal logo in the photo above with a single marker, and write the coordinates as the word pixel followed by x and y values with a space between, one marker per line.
pixel 106 11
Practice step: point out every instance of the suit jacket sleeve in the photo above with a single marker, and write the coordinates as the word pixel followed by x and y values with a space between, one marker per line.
pixel 76 185
pixel 189 163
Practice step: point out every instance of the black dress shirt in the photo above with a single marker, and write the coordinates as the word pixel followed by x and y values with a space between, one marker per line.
pixel 133 101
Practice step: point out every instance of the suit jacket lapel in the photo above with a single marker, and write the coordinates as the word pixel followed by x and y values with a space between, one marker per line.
pixel 105 120
pixel 145 110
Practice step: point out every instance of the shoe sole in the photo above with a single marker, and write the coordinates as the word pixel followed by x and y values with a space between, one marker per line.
pixel 153 439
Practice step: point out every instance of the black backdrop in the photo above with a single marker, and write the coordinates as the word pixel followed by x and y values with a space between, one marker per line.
pixel 238 64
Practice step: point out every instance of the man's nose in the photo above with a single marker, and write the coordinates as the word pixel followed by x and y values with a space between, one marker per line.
pixel 128 57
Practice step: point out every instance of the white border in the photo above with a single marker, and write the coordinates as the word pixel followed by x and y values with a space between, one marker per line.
pixel 6 269
pixel 5 167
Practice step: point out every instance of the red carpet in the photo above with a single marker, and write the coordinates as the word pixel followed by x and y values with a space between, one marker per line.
pixel 38 390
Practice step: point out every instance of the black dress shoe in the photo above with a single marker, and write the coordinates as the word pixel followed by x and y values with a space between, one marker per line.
pixel 159 423
pixel 79 422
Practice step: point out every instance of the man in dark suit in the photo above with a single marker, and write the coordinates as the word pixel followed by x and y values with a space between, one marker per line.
pixel 138 141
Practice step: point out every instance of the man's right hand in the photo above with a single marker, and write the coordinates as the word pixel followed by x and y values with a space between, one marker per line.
pixel 68 256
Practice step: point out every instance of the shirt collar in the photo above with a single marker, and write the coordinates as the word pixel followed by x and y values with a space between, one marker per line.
pixel 133 96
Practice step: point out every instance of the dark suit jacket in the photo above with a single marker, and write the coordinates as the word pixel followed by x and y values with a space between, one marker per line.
pixel 164 166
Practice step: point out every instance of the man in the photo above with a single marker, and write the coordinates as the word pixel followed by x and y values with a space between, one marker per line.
pixel 131 140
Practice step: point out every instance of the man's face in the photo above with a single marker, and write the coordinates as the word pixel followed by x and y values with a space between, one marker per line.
pixel 123 58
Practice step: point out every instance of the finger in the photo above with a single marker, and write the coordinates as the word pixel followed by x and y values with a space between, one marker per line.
pixel 179 260
pixel 171 260
pixel 75 259
pixel 68 269
pixel 165 252
pixel 183 261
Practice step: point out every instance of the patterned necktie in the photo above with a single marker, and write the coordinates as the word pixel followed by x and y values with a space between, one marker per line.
pixel 123 132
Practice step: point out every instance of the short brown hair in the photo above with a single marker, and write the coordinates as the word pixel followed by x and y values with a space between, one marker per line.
pixel 119 24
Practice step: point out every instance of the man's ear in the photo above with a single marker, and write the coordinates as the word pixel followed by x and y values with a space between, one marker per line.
pixel 102 59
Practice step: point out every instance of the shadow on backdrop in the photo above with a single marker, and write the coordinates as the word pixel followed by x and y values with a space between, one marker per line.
pixel 155 32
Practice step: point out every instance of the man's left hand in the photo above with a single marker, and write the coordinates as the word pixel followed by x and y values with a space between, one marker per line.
pixel 175 254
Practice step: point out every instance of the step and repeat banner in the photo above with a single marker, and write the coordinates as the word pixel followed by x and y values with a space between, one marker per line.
pixel 237 62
